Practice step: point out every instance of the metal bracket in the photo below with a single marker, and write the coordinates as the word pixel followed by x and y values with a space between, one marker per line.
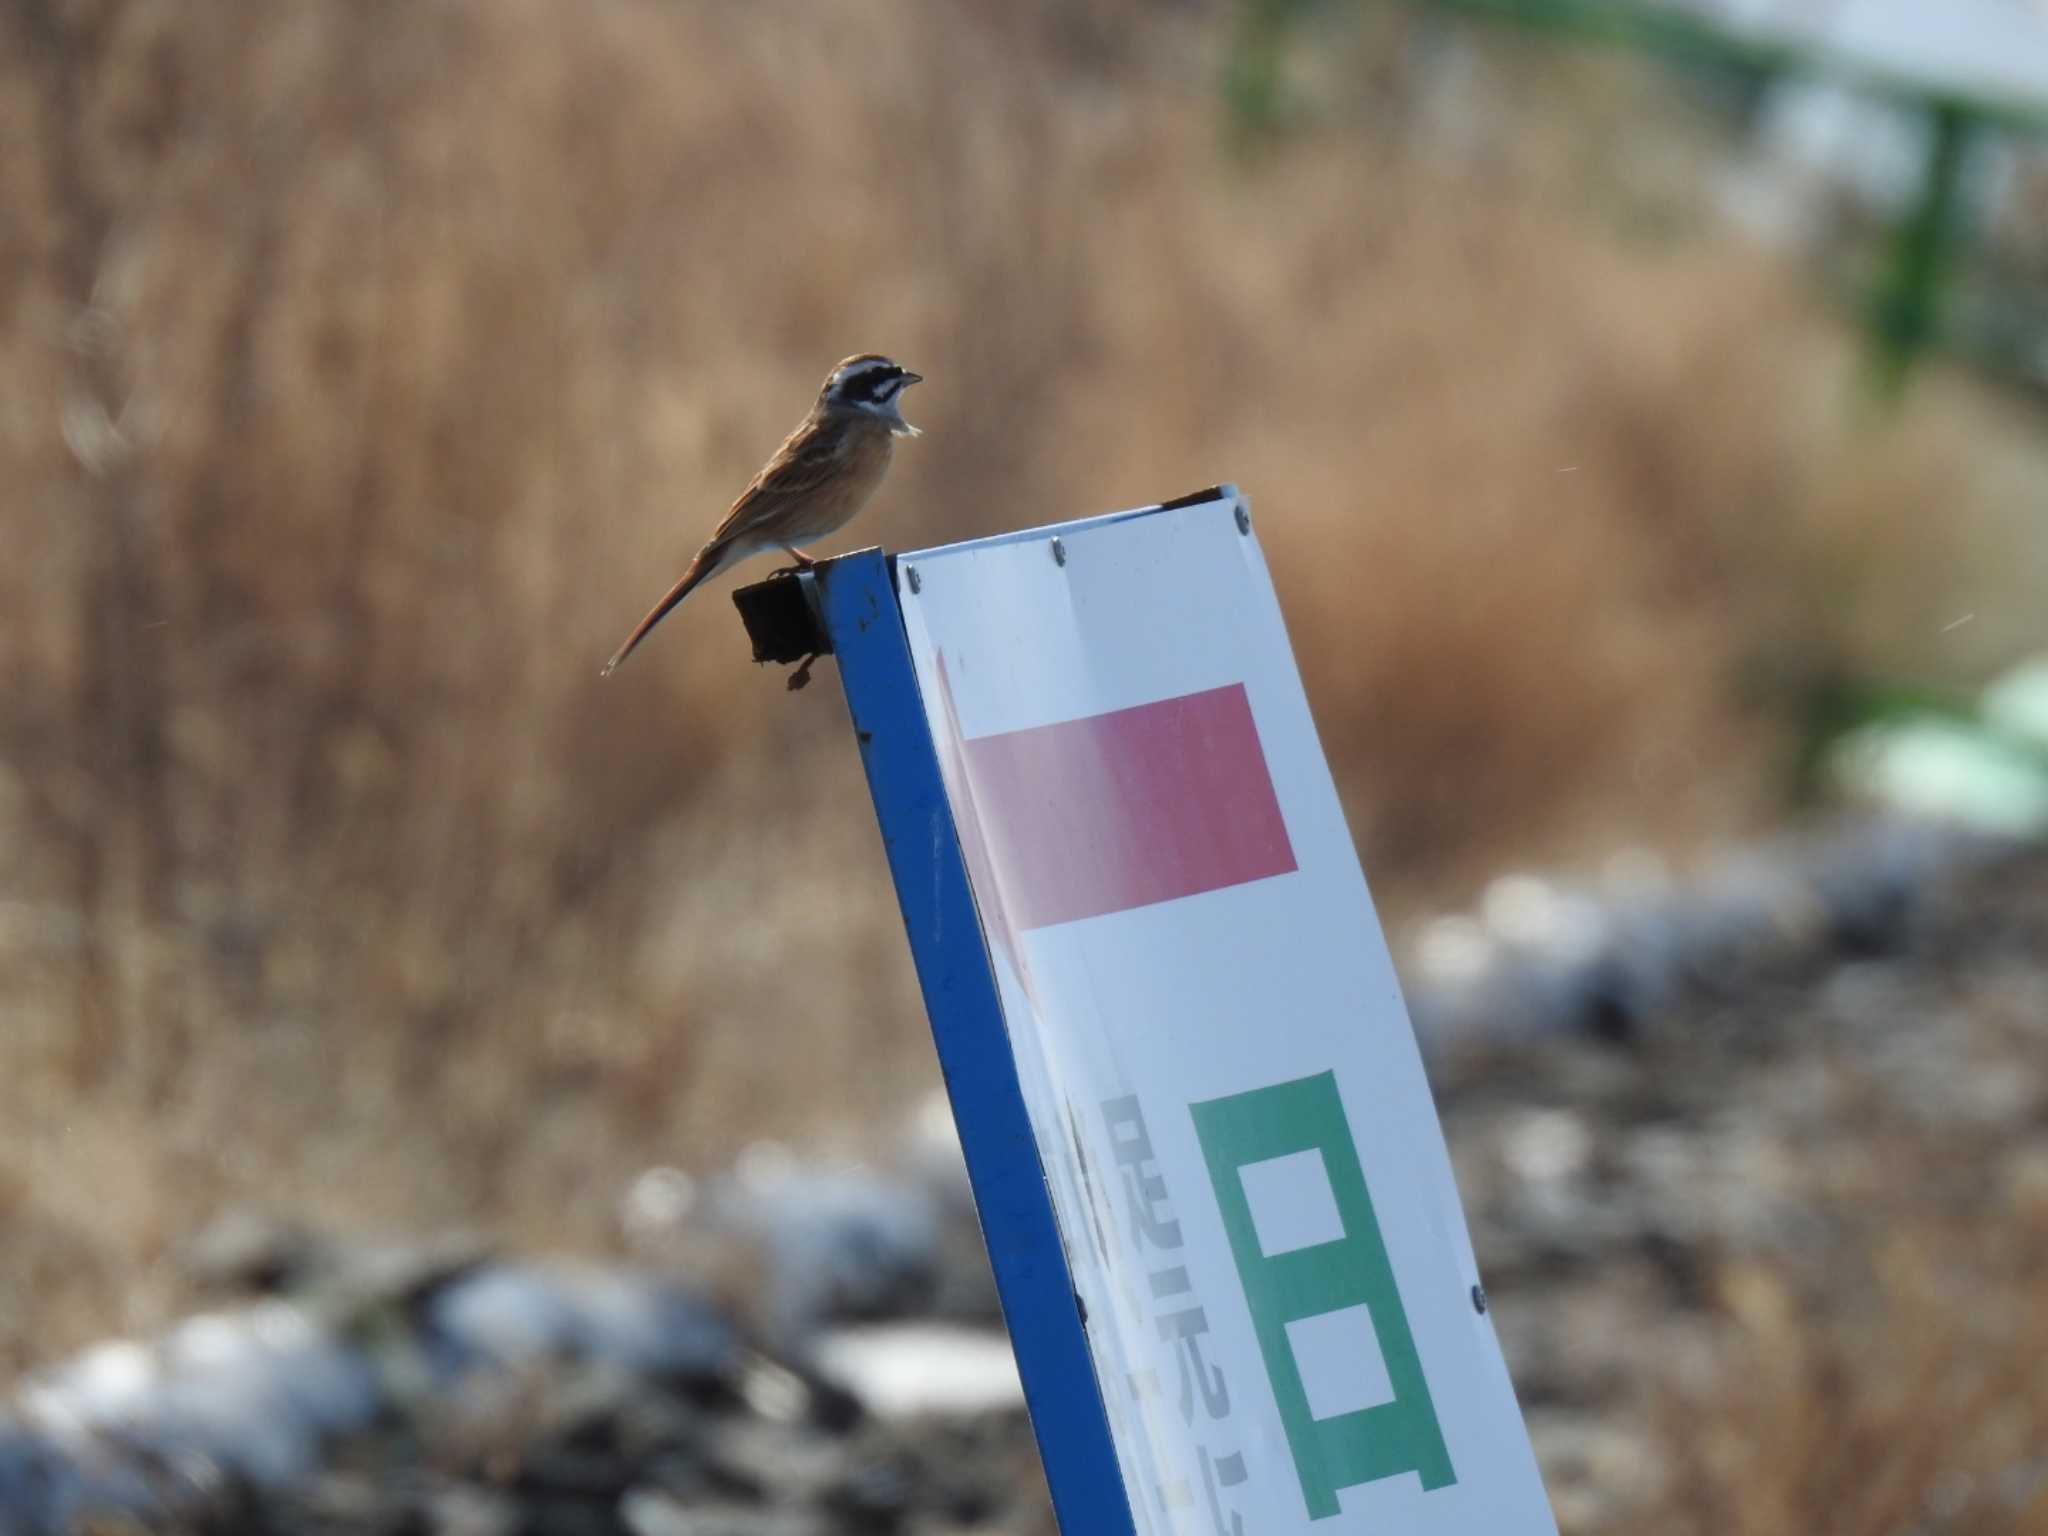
pixel 785 620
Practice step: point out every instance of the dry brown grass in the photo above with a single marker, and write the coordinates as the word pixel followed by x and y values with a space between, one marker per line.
pixel 364 369
pixel 1901 1396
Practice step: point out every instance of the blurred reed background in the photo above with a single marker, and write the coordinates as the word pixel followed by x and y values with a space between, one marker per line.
pixel 366 368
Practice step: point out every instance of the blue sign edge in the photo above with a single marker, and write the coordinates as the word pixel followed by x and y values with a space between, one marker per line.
pixel 858 604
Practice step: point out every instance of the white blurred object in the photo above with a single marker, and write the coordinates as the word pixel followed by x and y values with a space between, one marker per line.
pixel 1546 1146
pixel 251 1393
pixel 1946 769
pixel 2018 702
pixel 1533 914
pixel 656 1205
pixel 905 1370
pixel 1995 50
pixel 1454 953
pixel 513 1315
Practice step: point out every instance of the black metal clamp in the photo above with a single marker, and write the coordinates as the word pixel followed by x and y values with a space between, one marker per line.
pixel 785 621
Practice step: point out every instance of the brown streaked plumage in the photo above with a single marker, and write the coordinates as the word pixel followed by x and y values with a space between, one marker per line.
pixel 819 479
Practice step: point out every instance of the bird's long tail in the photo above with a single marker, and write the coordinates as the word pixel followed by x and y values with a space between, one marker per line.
pixel 706 564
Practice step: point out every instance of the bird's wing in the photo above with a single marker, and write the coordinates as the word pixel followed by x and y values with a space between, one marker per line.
pixel 807 461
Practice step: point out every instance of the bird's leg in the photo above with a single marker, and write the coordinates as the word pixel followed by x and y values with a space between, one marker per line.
pixel 803 562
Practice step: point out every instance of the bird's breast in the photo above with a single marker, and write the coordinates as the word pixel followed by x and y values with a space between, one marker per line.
pixel 866 460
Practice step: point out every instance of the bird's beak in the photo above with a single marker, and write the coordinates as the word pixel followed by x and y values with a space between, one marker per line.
pixel 910 378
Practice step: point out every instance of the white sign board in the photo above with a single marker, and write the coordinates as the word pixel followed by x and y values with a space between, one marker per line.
pixel 1247 1169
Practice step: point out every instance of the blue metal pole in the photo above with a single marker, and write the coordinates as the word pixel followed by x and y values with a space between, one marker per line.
pixel 858 605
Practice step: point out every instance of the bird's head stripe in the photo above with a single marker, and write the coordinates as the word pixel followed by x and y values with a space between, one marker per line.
pixel 867 380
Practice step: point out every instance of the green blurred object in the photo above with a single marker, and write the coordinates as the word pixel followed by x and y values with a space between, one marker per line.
pixel 1905 311
pixel 1251 76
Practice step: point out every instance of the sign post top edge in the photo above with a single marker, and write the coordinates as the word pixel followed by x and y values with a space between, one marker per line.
pixel 1222 495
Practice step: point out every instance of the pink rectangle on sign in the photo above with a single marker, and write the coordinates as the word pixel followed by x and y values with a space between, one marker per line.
pixel 1142 805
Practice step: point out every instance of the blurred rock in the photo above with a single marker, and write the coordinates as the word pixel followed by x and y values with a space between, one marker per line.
pixel 1541 957
pixel 648 1513
pixel 41 1489
pixel 912 1370
pixel 247 1397
pixel 798 1244
pixel 249 1250
pixel 511 1316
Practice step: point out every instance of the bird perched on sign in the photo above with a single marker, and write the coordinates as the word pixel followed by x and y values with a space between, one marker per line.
pixel 820 477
